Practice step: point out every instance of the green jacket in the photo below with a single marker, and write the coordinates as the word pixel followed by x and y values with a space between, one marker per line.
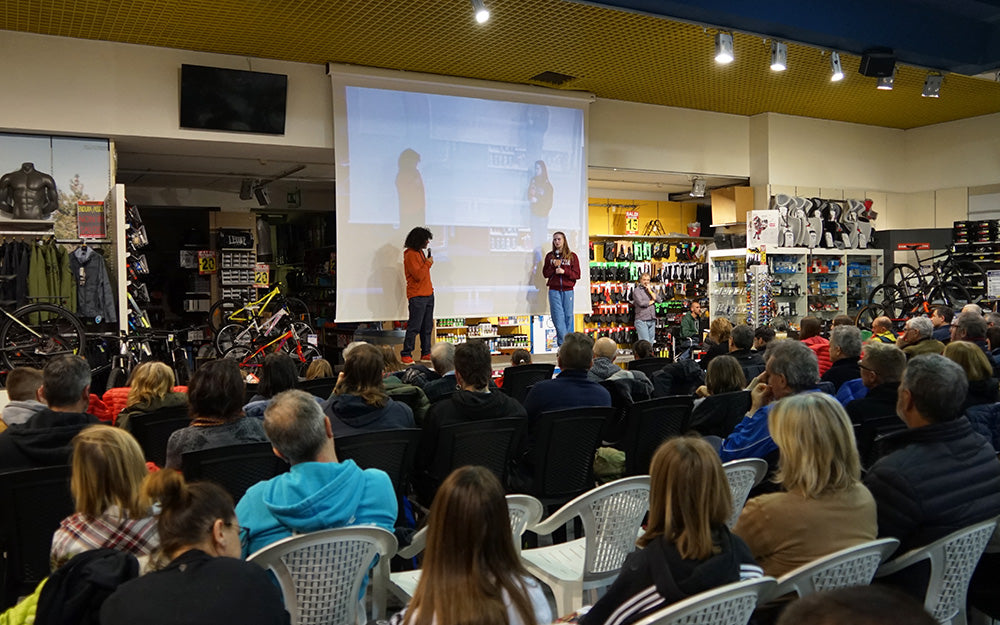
pixel 690 327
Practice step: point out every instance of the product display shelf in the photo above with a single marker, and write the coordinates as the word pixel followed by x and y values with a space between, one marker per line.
pixel 502 334
pixel 727 285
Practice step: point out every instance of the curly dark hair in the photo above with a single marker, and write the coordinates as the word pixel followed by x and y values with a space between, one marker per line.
pixel 418 238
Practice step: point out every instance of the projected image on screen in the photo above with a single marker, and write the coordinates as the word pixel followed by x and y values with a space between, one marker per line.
pixel 491 179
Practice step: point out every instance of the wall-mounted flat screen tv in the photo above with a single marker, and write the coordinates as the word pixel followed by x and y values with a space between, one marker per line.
pixel 235 100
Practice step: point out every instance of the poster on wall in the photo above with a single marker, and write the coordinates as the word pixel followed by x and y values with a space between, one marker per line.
pixel 90 220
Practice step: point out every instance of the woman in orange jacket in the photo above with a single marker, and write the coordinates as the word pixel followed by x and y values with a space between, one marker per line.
pixel 419 293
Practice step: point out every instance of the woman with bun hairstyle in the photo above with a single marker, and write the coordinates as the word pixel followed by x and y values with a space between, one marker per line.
pixel 205 582
pixel 562 269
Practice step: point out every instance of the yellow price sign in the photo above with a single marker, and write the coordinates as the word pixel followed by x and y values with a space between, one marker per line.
pixel 207 262
pixel 631 222
pixel 261 275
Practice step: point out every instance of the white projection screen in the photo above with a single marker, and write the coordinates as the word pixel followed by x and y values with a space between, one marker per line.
pixel 463 159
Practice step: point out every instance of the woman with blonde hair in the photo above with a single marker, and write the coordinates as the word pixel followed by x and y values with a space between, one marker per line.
pixel 319 368
pixel 471 571
pixel 719 333
pixel 983 387
pixel 823 506
pixel 149 390
pixel 686 548
pixel 108 469
pixel 359 401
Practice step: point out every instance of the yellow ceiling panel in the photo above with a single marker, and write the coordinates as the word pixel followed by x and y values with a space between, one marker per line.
pixel 614 54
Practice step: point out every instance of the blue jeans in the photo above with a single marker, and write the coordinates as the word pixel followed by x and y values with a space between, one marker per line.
pixel 561 306
pixel 421 321
pixel 646 330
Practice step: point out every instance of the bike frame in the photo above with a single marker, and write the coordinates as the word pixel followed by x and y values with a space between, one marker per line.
pixel 254 308
pixel 283 338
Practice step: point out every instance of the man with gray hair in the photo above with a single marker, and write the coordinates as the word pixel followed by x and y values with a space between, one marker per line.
pixel 45 439
pixel 319 492
pixel 918 338
pixel 845 350
pixel 881 370
pixel 939 475
pixel 443 359
pixel 791 368
pixel 971 327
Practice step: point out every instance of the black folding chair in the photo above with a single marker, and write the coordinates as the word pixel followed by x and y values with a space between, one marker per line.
pixel 153 430
pixel 392 451
pixel 233 467
pixel 870 434
pixel 516 380
pixel 649 423
pixel 649 366
pixel 34 502
pixel 719 414
pixel 320 387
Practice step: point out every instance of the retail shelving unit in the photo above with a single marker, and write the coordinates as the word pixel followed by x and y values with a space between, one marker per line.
pixel 502 334
pixel 727 285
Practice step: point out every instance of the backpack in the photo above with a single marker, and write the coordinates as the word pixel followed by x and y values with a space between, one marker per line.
pixel 75 592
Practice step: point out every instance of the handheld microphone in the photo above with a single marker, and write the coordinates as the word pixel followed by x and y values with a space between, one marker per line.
pixel 557 253
pixel 429 253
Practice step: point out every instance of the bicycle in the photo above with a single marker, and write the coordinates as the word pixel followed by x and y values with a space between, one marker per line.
pixel 891 301
pixel 250 358
pixel 139 347
pixel 228 311
pixel 936 271
pixel 237 334
pixel 35 333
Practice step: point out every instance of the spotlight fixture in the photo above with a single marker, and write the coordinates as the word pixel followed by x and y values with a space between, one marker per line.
pixel 698 187
pixel 885 82
pixel 835 67
pixel 482 14
pixel 932 85
pixel 779 56
pixel 723 48
pixel 263 197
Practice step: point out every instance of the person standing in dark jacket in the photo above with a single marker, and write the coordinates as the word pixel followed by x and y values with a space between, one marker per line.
pixel 881 370
pixel 845 350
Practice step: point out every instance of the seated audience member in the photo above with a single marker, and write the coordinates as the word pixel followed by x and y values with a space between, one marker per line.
pixel 856 605
pixel 111 511
pixel 319 492
pixel 918 338
pixel 518 357
pixel 938 475
pixel 471 571
pixel 642 349
pixel 319 368
pixel 205 582
pixel 992 318
pixel 359 402
pixel 842 320
pixel 983 387
pixel 941 317
pixel 718 340
pixel 443 359
pixel 725 377
pixel 572 388
pixel 882 330
pixel 881 370
pixel 823 506
pixel 215 399
pixel 761 337
pixel 845 350
pixel 686 548
pixel 971 328
pixel 45 439
pixel 150 390
pixel 741 343
pixel 472 402
pixel 412 395
pixel 277 374
pixel 993 340
pixel 791 369
pixel 604 368
pixel 974 309
pixel 22 386
pixel 809 335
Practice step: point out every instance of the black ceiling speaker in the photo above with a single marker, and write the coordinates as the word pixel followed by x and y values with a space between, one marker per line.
pixel 246 189
pixel 877 62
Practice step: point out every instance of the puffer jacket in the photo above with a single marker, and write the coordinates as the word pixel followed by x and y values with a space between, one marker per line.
pixel 821 347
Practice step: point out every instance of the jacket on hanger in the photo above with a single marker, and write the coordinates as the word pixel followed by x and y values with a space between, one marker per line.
pixel 93 295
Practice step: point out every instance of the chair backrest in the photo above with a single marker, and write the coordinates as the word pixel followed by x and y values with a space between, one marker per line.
pixel 392 451
pixel 649 423
pixel 853 566
pixel 648 365
pixel 320 573
pixel 153 429
pixel 516 380
pixel 612 516
pixel 732 604
pixel 953 560
pixel 320 387
pixel 564 448
pixel 488 443
pixel 719 414
pixel 870 430
pixel 621 399
pixel 32 504
pixel 233 467
pixel 742 475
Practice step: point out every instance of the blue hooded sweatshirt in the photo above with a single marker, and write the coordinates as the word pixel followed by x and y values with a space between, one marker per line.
pixel 315 496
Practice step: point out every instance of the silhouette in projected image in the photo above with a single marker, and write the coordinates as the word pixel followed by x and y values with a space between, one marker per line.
pixel 410 188
pixel 540 201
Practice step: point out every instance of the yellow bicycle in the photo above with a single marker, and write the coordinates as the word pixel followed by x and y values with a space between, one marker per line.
pixel 227 317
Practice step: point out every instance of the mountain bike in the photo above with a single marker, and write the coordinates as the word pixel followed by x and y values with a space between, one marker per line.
pixel 250 357
pixel 33 334
pixel 935 271
pixel 228 311
pixel 148 346
pixel 889 300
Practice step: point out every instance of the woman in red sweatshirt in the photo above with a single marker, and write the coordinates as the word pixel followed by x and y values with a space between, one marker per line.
pixel 419 293
pixel 562 268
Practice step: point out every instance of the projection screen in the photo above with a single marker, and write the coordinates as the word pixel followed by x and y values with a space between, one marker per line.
pixel 492 170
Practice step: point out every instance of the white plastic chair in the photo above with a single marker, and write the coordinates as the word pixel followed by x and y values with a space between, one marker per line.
pixel 611 516
pixel 320 573
pixel 743 475
pixel 524 510
pixel 953 560
pixel 854 566
pixel 732 604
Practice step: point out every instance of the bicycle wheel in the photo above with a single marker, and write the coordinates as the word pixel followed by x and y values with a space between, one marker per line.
pixel 218 314
pixel 889 300
pixel 950 294
pixel 233 334
pixel 866 315
pixel 248 361
pixel 905 277
pixel 968 274
pixel 33 334
pixel 298 310
pixel 303 360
